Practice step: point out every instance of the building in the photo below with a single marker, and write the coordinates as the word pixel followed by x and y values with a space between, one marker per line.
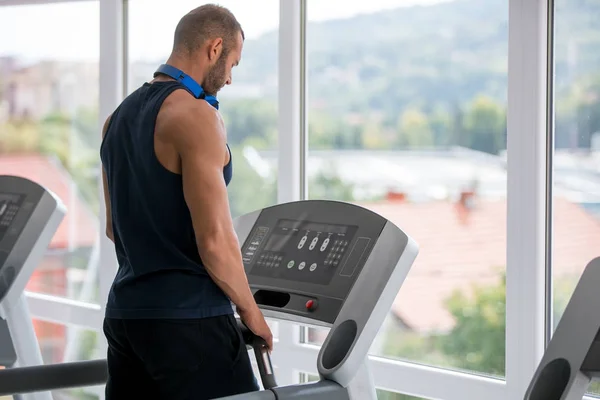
pixel 37 90
pixel 464 244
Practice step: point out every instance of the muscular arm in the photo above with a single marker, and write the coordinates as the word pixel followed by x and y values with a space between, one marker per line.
pixel 109 229
pixel 200 146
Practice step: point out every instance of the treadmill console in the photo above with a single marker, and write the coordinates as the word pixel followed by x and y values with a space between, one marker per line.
pixel 302 251
pixel 29 216
pixel 303 258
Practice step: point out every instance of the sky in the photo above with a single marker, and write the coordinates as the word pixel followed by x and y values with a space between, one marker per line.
pixel 70 31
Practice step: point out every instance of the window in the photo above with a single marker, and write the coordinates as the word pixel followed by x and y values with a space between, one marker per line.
pixel 407 117
pixel 576 191
pixel 49 130
pixel 66 343
pixel 248 106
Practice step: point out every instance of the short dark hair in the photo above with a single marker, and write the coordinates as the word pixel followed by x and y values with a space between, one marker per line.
pixel 206 22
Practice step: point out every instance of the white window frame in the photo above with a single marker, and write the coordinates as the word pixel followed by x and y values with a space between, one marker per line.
pixel 527 214
pixel 526 171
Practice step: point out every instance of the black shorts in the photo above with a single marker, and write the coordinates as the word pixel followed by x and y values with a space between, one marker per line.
pixel 176 359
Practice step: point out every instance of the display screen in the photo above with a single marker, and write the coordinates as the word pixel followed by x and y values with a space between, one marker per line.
pixel 303 251
pixel 312 226
pixel 276 242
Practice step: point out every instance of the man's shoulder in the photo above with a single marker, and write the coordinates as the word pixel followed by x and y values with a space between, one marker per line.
pixel 180 108
pixel 184 117
pixel 181 103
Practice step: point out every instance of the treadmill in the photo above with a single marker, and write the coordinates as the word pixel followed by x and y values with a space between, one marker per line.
pixel 312 262
pixel 325 263
pixel 29 217
pixel 572 358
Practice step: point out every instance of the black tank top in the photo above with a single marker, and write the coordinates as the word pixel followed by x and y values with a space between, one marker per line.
pixel 160 272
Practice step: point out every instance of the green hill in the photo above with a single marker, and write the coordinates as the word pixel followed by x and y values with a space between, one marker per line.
pixel 428 58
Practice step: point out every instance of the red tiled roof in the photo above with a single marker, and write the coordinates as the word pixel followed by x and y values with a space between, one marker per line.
pixel 49 174
pixel 458 250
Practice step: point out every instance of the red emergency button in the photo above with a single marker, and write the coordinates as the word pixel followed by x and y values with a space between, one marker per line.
pixel 311 305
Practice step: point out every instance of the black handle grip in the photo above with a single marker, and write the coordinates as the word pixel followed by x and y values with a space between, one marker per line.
pixel 263 358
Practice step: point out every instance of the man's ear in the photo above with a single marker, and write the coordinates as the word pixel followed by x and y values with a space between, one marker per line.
pixel 215 49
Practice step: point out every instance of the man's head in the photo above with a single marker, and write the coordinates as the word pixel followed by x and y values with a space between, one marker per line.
pixel 211 38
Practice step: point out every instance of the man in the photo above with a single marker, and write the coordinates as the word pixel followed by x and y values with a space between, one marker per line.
pixel 166 164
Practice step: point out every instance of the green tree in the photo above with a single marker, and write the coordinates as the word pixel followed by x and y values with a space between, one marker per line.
pixel 250 118
pixel 385 395
pixel 588 111
pixel 414 129
pixel 412 345
pixel 19 137
pixel 327 185
pixel 249 191
pixel 323 130
pixel 373 135
pixel 61 136
pixel 441 127
pixel 484 125
pixel 476 342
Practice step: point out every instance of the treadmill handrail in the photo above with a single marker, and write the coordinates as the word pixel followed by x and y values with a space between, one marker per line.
pixel 41 378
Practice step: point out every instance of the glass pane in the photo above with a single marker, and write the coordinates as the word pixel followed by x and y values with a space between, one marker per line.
pixel 576 202
pixel 407 117
pixel 66 343
pixel 49 130
pixel 248 106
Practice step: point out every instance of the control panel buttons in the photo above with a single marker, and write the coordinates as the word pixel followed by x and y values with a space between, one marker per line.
pixel 250 249
pixel 269 260
pixel 313 266
pixel 313 243
pixel 311 305
pixel 302 241
pixel 324 244
pixel 301 266
pixel 290 264
pixel 336 253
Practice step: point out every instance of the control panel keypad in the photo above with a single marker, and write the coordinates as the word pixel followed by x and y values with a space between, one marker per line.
pixel 336 253
pixel 270 259
pixel 10 206
pixel 7 213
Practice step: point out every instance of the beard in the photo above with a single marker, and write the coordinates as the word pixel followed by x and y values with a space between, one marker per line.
pixel 216 78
